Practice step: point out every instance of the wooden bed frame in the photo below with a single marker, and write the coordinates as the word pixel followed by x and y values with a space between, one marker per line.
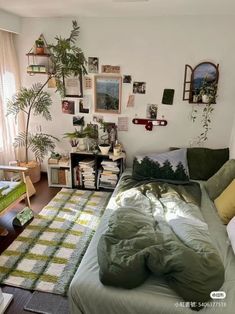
pixel 30 190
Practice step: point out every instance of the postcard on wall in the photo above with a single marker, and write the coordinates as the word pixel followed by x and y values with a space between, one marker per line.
pixel 85 104
pixel 93 65
pixel 127 79
pixel 98 118
pixel 131 101
pixel 151 111
pixel 139 87
pixel 110 69
pixel 123 123
pixel 78 120
pixel 87 82
pixel 68 106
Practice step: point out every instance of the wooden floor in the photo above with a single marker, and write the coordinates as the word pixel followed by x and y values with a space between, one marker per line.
pixel 43 195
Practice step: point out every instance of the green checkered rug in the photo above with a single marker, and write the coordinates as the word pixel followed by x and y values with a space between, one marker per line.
pixel 48 252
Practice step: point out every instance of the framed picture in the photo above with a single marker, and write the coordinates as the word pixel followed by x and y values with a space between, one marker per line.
pixel 108 92
pixel 73 86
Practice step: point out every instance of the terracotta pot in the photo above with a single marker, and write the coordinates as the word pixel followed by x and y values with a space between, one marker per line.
pixel 34 170
pixel 40 50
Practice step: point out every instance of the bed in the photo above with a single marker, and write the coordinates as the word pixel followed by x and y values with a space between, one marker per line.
pixel 88 295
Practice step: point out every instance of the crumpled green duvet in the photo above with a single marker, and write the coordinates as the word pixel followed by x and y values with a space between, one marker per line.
pixel 158 229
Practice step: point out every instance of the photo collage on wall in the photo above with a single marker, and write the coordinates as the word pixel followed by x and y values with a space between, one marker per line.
pixel 107 86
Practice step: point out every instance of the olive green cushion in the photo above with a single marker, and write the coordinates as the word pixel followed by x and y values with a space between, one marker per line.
pixel 205 162
pixel 11 194
pixel 225 203
pixel 221 179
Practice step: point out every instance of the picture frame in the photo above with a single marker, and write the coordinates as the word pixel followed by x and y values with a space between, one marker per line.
pixel 73 86
pixel 107 94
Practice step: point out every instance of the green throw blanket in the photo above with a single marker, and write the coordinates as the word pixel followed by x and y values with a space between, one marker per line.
pixel 158 228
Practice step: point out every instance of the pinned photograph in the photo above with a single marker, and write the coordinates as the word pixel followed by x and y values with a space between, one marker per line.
pixel 68 106
pixel 77 120
pixel 84 106
pixel 98 118
pixel 93 65
pixel 152 111
pixel 139 87
pixel 131 101
pixel 127 79
pixel 110 69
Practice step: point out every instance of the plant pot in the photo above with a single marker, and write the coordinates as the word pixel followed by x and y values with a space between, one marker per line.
pixel 104 148
pixel 39 50
pixel 34 170
pixel 74 149
pixel 82 143
pixel 205 99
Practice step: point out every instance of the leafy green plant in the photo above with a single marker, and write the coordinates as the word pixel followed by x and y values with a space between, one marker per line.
pixel 32 101
pixel 67 59
pixel 39 43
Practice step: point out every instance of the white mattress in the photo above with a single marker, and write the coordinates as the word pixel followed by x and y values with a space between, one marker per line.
pixel 87 295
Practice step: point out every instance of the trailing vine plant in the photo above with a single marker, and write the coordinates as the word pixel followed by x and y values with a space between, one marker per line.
pixel 207 94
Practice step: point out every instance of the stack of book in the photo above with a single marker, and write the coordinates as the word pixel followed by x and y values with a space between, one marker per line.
pixel 87 171
pixel 109 174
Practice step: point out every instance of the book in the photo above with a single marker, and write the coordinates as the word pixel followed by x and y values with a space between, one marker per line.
pixel 54 176
pixel 61 177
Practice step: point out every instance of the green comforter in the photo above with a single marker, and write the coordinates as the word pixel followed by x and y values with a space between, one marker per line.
pixel 158 229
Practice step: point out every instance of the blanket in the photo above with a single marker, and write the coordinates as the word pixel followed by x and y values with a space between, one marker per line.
pixel 158 229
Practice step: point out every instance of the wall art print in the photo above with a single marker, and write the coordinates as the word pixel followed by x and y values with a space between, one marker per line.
pixel 107 94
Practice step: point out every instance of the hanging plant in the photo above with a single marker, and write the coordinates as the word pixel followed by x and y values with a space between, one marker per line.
pixel 207 94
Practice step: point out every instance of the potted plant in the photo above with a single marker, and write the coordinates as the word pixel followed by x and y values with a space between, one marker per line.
pixel 39 43
pixel 66 59
pixel 208 91
pixel 78 137
pixel 32 101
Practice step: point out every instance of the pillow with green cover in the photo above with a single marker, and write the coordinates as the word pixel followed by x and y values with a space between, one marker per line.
pixel 205 162
pixel 168 166
pixel 221 179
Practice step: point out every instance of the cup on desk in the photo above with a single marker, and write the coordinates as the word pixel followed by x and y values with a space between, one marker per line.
pixel 117 150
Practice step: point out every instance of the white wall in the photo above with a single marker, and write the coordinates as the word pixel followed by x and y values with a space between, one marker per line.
pixel 154 50
pixel 10 22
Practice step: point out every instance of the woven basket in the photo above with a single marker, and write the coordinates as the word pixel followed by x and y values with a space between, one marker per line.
pixel 34 170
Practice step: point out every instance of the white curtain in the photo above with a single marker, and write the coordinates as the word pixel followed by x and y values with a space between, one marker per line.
pixel 9 83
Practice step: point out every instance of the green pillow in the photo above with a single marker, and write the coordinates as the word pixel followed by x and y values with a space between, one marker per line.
pixel 221 179
pixel 168 166
pixel 205 162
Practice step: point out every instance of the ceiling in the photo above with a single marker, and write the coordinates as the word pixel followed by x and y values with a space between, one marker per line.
pixel 116 8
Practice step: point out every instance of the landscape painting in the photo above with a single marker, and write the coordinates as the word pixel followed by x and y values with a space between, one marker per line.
pixel 108 94
pixel 205 70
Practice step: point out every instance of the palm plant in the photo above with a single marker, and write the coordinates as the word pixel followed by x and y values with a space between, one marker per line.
pixel 37 102
pixel 66 59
